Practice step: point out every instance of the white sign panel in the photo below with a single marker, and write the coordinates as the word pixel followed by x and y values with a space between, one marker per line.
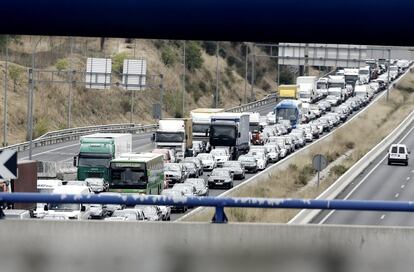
pixel 134 75
pixel 318 54
pixel 98 73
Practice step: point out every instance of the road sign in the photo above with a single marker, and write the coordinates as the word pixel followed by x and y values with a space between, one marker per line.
pixel 319 162
pixel 8 164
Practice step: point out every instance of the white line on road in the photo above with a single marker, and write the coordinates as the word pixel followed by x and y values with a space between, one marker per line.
pixel 363 180
pixel 402 186
pixel 397 195
pixel 48 151
pixel 408 178
pixel 382 217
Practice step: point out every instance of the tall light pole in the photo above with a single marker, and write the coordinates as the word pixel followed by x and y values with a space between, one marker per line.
pixel 184 68
pixel 31 102
pixel 70 84
pixel 246 61
pixel 5 94
pixel 253 66
pixel 217 75
pixel 388 73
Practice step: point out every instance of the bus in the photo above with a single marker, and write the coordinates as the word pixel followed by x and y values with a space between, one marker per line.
pixel 289 110
pixel 141 173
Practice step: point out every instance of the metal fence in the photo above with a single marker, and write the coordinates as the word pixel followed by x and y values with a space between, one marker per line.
pixel 218 203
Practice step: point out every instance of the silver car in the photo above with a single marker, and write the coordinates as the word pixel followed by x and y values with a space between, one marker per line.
pixel 151 212
pixel 200 184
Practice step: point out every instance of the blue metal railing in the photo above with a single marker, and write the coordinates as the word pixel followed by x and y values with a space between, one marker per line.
pixel 218 203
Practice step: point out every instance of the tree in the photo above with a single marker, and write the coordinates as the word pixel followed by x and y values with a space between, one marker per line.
pixel 194 59
pixel 118 62
pixel 168 56
pixel 15 72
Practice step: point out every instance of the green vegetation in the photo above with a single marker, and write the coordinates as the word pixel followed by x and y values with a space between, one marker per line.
pixel 118 62
pixel 15 73
pixel 194 59
pixel 62 64
pixel 168 56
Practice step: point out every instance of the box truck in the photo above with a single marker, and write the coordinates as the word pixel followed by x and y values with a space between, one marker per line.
pixel 288 91
pixel 201 118
pixel 176 134
pixel 307 88
pixel 97 150
pixel 230 130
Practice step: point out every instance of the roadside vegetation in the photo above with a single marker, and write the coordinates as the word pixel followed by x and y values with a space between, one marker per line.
pixel 356 138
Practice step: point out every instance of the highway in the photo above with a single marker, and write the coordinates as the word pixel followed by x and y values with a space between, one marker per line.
pixel 379 182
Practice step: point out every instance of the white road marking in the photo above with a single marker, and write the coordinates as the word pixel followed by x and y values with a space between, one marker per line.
pixel 402 186
pixel 408 178
pixel 382 217
pixel 397 195
pixel 362 181
pixel 49 151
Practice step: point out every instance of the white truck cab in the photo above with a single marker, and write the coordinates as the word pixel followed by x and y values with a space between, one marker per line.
pixel 70 210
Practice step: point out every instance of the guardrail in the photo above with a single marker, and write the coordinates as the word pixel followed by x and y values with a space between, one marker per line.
pixel 70 135
pixel 253 105
pixel 218 203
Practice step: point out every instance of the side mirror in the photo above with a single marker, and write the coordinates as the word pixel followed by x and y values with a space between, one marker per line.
pixel 46 208
pixel 75 161
pixel 83 208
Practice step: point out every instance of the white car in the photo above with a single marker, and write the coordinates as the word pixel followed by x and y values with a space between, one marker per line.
pixel 260 158
pixel 208 161
pixel 221 155
pixel 273 152
pixel 127 215
pixel 398 153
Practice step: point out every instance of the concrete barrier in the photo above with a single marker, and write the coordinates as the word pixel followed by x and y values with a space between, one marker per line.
pixel 48 246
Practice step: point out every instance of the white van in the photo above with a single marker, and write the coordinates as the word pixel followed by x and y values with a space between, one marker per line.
pixel 45 186
pixel 398 153
pixel 70 210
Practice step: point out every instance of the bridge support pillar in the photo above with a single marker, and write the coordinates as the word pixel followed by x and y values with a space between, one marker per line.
pixel 219 216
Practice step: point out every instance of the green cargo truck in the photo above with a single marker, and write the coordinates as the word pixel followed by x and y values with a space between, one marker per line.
pixel 97 151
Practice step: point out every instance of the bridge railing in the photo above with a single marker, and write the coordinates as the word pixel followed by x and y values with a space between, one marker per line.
pixel 218 203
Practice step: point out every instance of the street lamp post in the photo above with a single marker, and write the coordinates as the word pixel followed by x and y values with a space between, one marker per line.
pixel 217 75
pixel 31 102
pixel 5 94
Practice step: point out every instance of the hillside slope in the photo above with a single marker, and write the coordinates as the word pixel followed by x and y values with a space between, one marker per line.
pixel 93 107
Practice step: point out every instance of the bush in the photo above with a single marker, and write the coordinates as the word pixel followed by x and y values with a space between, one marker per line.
pixel 61 64
pixel 168 56
pixel 118 62
pixel 285 77
pixel 350 145
pixel 339 169
pixel 210 47
pixel 194 59
pixel 126 104
pixel 15 72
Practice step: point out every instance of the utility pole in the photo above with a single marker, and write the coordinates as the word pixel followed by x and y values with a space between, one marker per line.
pixel 5 93
pixel 388 73
pixel 253 66
pixel 217 75
pixel 31 97
pixel 184 68
pixel 162 94
pixel 70 84
pixel 245 73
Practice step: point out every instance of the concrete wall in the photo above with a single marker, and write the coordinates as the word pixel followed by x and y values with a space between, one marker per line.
pixel 120 246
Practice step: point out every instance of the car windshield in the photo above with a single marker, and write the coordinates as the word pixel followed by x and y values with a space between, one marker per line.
pixel 166 137
pixel 231 164
pixel 149 210
pixel 201 128
pixel 363 72
pixel 286 114
pixel 304 95
pixel 220 172
pixel 189 165
pixel 93 162
pixel 218 152
pixel 247 159
pixel 170 192
pixel 321 85
pixel 336 85
pixel 172 167
pixel 205 156
pixel 195 182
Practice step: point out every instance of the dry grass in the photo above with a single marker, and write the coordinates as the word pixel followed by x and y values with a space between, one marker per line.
pixel 289 179
pixel 94 107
